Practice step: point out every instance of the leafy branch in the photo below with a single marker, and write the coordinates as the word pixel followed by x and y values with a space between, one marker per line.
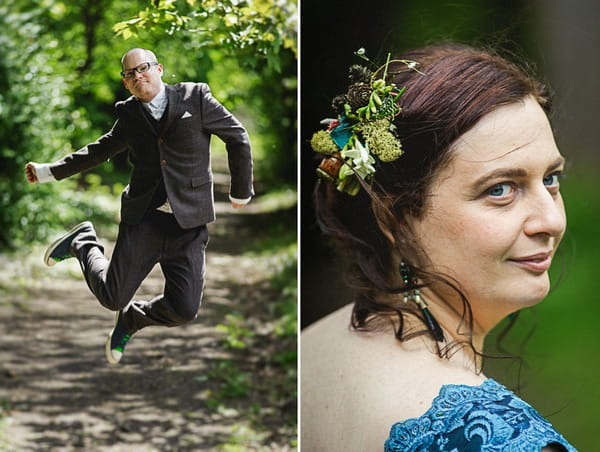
pixel 255 30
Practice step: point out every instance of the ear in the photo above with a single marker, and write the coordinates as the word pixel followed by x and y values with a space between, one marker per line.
pixel 160 69
pixel 385 219
pixel 388 234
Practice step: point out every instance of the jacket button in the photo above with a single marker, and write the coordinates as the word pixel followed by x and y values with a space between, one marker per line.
pixel 163 162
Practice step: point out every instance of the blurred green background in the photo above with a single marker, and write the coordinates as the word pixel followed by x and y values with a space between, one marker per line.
pixel 560 365
pixel 59 81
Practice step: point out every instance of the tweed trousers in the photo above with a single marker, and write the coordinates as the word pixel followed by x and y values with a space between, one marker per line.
pixel 157 239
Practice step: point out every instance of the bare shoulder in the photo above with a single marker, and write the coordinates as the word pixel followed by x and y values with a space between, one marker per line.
pixel 355 386
pixel 332 326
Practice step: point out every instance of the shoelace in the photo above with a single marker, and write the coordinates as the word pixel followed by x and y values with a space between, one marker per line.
pixel 137 305
pixel 124 340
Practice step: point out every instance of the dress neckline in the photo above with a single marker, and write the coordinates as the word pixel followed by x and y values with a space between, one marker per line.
pixel 485 417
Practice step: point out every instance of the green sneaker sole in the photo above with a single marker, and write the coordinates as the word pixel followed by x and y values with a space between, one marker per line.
pixel 50 260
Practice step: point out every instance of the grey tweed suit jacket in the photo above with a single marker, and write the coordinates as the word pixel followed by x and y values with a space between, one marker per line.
pixel 183 144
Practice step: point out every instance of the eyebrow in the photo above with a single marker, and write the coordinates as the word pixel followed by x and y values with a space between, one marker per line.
pixel 513 173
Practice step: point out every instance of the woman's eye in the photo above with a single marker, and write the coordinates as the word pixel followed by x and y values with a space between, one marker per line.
pixel 552 180
pixel 500 190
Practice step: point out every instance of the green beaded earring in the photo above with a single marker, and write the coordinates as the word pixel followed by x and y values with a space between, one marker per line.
pixel 413 294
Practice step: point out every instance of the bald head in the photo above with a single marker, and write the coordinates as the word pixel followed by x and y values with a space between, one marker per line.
pixel 137 53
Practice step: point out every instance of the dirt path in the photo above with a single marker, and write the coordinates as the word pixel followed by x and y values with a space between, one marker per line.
pixel 176 389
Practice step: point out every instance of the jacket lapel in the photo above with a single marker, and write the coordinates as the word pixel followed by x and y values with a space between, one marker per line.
pixel 174 107
pixel 136 113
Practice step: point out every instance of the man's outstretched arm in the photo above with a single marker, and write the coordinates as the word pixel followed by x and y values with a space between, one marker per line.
pixel 85 158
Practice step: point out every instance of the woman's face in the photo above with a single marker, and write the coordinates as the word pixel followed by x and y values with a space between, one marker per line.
pixel 495 216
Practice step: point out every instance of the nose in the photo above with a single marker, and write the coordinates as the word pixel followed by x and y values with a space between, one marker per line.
pixel 137 75
pixel 546 214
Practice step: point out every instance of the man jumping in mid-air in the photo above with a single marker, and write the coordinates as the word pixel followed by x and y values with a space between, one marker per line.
pixel 167 204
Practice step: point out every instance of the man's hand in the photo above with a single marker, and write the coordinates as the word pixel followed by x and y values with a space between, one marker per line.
pixel 31 174
pixel 235 205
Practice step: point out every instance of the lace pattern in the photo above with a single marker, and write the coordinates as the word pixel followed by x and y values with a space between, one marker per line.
pixel 484 418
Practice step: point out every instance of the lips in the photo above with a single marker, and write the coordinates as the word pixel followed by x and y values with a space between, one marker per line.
pixel 536 263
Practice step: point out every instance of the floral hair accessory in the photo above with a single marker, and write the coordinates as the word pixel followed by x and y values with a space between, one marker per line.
pixel 363 134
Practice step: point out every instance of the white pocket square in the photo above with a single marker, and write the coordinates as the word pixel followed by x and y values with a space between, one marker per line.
pixel 187 114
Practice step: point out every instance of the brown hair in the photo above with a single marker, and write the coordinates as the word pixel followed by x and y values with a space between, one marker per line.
pixel 457 86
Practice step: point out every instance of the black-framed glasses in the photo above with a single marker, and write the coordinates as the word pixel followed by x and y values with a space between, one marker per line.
pixel 140 69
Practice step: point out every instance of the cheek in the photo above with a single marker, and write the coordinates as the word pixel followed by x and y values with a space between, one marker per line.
pixel 467 240
pixel 488 237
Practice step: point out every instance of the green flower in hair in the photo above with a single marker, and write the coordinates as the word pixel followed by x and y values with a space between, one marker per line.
pixel 381 141
pixel 322 143
pixel 363 129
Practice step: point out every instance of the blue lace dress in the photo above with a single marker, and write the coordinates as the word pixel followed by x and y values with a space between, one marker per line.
pixel 464 418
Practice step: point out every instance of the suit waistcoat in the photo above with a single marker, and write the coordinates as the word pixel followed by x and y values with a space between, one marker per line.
pixel 152 160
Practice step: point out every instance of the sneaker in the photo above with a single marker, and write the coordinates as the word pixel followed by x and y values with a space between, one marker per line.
pixel 61 248
pixel 117 340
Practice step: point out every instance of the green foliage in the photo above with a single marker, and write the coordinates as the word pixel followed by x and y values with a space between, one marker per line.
pixel 275 97
pixel 260 337
pixel 280 245
pixel 285 282
pixel 243 438
pixel 63 99
pixel 238 332
pixel 235 331
pixel 251 30
pixel 56 98
pixel 265 101
pixel 248 49
pixel 233 382
pixel 35 121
